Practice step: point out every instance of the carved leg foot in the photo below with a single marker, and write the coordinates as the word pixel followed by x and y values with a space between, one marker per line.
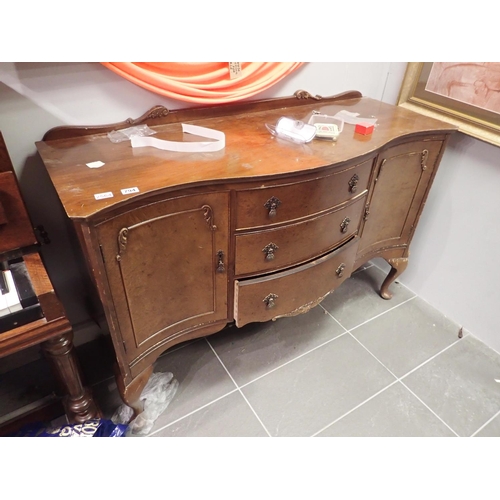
pixel 131 392
pixel 77 399
pixel 398 265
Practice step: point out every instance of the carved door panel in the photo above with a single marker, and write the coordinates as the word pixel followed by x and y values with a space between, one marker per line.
pixel 166 268
pixel 402 177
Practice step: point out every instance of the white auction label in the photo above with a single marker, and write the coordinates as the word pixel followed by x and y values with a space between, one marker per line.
pixel 95 164
pixel 130 190
pixel 101 196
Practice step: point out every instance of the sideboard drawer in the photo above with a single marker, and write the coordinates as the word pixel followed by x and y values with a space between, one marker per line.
pixel 293 291
pixel 273 249
pixel 268 205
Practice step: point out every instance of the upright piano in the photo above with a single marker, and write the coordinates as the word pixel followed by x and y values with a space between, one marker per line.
pixel 30 311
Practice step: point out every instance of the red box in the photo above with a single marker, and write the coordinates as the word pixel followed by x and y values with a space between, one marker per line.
pixel 364 128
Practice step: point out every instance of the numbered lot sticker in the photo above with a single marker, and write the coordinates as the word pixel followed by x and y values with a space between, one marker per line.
pixel 101 196
pixel 130 190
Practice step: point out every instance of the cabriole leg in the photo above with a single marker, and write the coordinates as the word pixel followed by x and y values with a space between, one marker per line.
pixel 398 265
pixel 131 392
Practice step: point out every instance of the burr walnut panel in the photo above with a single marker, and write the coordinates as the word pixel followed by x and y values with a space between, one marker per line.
pixel 282 202
pixel 276 248
pixel 294 291
pixel 162 265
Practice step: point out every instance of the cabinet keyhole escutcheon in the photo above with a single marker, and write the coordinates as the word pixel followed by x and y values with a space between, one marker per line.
pixel 220 262
pixel 270 300
pixel 272 205
pixel 270 250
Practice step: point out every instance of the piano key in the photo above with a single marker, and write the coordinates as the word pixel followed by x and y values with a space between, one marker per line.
pixel 18 280
pixel 19 318
pixel 4 308
pixel 12 298
pixel 3 284
pixel 22 280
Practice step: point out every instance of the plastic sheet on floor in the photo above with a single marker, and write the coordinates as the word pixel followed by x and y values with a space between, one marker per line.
pixel 156 396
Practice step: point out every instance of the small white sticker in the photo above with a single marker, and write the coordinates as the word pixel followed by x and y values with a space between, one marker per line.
pixel 235 70
pixel 101 196
pixel 130 190
pixel 95 164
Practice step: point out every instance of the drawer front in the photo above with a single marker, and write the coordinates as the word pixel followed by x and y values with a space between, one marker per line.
pixel 294 291
pixel 274 249
pixel 269 205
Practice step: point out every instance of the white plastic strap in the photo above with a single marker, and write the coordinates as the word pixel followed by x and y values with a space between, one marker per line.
pixel 185 147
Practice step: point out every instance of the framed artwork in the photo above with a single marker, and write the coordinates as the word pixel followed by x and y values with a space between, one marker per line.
pixel 466 94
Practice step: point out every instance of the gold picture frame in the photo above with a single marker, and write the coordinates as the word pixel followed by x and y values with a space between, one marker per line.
pixel 464 94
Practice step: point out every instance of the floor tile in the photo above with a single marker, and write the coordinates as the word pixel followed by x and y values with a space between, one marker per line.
pixel 307 394
pixel 407 336
pixel 460 385
pixel 256 349
pixel 357 299
pixel 201 377
pixel 228 417
pixel 395 412
pixel 492 429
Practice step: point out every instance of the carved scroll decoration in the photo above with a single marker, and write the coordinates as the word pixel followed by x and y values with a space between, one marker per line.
pixel 124 232
pixel 208 214
pixel 302 309
pixel 122 242
pixel 423 161
pixel 303 94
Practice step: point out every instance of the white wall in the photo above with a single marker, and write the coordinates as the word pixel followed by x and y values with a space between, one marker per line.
pixel 449 265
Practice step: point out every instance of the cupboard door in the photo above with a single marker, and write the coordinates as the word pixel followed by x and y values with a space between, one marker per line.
pixel 166 267
pixel 402 177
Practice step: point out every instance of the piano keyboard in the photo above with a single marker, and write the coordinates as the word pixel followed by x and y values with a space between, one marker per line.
pixel 18 302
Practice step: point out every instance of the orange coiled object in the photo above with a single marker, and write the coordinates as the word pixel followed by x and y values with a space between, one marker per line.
pixel 203 82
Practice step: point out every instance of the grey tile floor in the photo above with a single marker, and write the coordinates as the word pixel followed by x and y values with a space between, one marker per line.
pixel 356 365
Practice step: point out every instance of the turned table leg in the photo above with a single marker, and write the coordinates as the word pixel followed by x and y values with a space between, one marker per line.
pixel 398 265
pixel 77 400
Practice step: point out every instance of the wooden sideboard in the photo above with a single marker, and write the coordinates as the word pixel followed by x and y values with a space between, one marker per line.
pixel 262 229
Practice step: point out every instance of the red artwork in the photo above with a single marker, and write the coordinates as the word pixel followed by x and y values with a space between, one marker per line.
pixel 474 83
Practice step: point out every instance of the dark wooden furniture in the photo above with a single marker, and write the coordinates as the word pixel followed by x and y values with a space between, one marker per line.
pixel 262 229
pixel 47 324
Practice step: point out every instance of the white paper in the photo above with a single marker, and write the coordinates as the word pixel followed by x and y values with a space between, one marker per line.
pixel 100 196
pixel 95 164
pixel 185 147
pixel 130 190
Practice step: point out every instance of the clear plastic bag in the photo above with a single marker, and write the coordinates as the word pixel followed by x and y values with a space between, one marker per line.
pixel 156 396
pixel 127 133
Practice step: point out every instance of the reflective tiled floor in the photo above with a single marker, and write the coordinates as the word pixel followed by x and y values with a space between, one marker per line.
pixel 356 365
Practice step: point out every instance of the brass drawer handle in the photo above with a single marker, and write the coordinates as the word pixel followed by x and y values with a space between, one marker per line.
pixel 270 300
pixel 344 224
pixel 220 262
pixel 340 270
pixel 269 250
pixel 353 183
pixel 272 205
